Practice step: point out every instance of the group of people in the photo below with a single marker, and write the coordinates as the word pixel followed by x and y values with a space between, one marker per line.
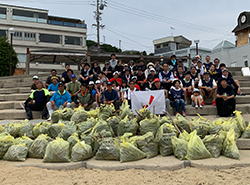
pixel 116 81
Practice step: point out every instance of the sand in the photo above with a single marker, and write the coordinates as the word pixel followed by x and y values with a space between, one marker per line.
pixel 193 176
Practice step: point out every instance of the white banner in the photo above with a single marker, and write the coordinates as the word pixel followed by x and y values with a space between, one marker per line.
pixel 148 99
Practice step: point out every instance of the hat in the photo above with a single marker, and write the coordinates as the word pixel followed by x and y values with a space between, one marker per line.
pixel 91 83
pixel 196 90
pixel 116 72
pixel 125 65
pixel 150 76
pixel 150 64
pixel 35 77
pixel 180 60
pixel 173 56
pixel 60 83
pixel 157 80
pixel 107 62
pixel 206 73
pixel 73 76
pixel 139 68
pixel 54 77
pixel 194 58
pixel 39 81
pixel 97 82
pixel 152 69
pixel 134 77
pixel 131 61
pixel 199 61
pixel 109 83
pixel 127 69
pixel 161 56
pixel 225 69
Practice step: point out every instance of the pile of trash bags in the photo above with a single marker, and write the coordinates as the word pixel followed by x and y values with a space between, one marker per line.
pixel 106 134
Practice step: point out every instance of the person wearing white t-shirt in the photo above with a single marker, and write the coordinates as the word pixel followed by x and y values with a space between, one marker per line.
pixel 127 93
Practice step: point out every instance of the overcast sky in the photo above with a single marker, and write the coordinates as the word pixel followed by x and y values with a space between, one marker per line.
pixel 137 23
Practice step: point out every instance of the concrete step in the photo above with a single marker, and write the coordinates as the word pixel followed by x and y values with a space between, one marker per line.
pixel 236 73
pixel 242 78
pixel 234 68
pixel 244 83
pixel 14 97
pixel 15 90
pixel 13 114
pixel 10 105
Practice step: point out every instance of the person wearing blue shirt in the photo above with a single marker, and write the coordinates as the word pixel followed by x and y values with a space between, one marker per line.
pixel 61 97
pixel 54 85
pixel 110 96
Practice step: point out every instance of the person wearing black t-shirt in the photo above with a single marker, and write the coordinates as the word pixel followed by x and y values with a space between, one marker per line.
pixel 225 101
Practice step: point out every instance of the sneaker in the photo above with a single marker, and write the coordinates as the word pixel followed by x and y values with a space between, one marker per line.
pixel 183 114
pixel 21 104
pixel 214 103
pixel 241 94
pixel 196 106
pixel 49 119
pixel 203 103
pixel 201 106
pixel 176 113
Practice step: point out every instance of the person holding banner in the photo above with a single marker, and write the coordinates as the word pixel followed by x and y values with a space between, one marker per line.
pixel 127 93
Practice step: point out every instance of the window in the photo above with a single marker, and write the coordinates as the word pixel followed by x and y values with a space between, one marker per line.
pixel 158 47
pixel 3 33
pixel 50 38
pixel 30 16
pixel 73 40
pixel 3 13
pixel 29 36
pixel 165 45
pixel 18 35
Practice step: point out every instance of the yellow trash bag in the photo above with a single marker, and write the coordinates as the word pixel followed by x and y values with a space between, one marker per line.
pixel 196 148
pixel 6 140
pixel 1 129
pixel 246 133
pixel 180 147
pixel 184 135
pixel 230 148
pixel 182 122
pixel 226 126
pixel 81 151
pixel 241 122
pixel 16 153
pixel 23 140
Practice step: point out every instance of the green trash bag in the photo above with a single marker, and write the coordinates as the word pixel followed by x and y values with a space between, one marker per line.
pixel 23 140
pixel 126 125
pixel 94 113
pixel 182 123
pixel 26 129
pixel 129 152
pixel 41 128
pixel 168 128
pixel 6 140
pixel 55 129
pixel 147 144
pixel 185 136
pixel 114 123
pixel 82 127
pixel 227 125
pixel 201 126
pixel 66 114
pixel 55 115
pixel 12 128
pixel 79 115
pixel 246 133
pixel 180 147
pixel 100 126
pixel 230 148
pixel 108 150
pixel 196 148
pixel 57 151
pixel 73 139
pixel 216 125
pixel 1 129
pixel 145 113
pixel 16 153
pixel 67 130
pixel 214 144
pixel 81 151
pixel 149 125
pixel 38 147
pixel 91 141
pixel 106 111
pixel 125 110
pixel 241 122
pixel 166 120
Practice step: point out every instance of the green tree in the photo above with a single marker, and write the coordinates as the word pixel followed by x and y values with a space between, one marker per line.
pixel 90 43
pixel 144 53
pixel 110 48
pixel 5 57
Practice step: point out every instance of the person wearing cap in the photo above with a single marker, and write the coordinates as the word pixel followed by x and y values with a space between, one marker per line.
pixel 162 60
pixel 126 76
pixel 129 91
pixel 60 98
pixel 158 86
pixel 149 83
pixel 208 87
pixel 225 99
pixel 166 77
pixel 113 61
pixel 152 71
pixel 41 97
pixel 134 79
pixel 98 90
pixel 176 95
pixel 92 88
pixel 54 86
pixel 33 86
pixel 116 78
pixel 49 80
pixel 73 87
pixel 84 98
pixel 196 99
pixel 187 86
pixel 86 74
pixel 107 69
pixel 200 68
pixel 65 77
pixel 150 65
pixel 110 96
pixel 141 79
pixel 207 64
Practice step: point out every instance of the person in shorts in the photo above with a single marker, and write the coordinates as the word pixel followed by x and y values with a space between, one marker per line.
pixel 196 98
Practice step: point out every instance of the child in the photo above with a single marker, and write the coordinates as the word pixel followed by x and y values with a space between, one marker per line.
pixel 177 95
pixel 196 98
pixel 124 87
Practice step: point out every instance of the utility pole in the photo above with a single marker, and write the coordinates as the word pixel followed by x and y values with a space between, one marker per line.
pixel 172 31
pixel 103 38
pixel 97 15
pixel 120 44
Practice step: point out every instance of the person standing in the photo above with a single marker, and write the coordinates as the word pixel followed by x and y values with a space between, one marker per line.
pixel 113 61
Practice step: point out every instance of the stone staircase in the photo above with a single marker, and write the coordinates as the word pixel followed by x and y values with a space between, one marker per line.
pixel 15 90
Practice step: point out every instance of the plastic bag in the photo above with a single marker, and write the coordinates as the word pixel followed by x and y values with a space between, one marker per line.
pixel 246 133
pixel 125 110
pixel 185 136
pixel 129 152
pixel 86 125
pixel 38 147
pixel 126 125
pixel 196 148
pixel 73 139
pixel 94 113
pixel 67 130
pixel 241 122
pixel 26 129
pixel 229 146
pixel 214 144
pixel 145 113
pixel 66 114
pixel 23 140
pixel 55 115
pixel 81 151
pixel 41 128
pixel 226 126
pixel 182 122
pixel 101 125
pixel 165 119
pixel 168 128
pixel 91 141
pixel 55 129
pixel 179 147
pixel 108 150
pixel 79 115
pixel 57 151
pixel 200 125
pixel 12 128
pixel 16 153
pixel 1 129
pixel 106 111
pixel 114 123
pixel 6 140
pixel 149 125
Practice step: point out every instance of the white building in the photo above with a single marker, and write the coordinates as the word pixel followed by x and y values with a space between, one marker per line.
pixel 36 30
